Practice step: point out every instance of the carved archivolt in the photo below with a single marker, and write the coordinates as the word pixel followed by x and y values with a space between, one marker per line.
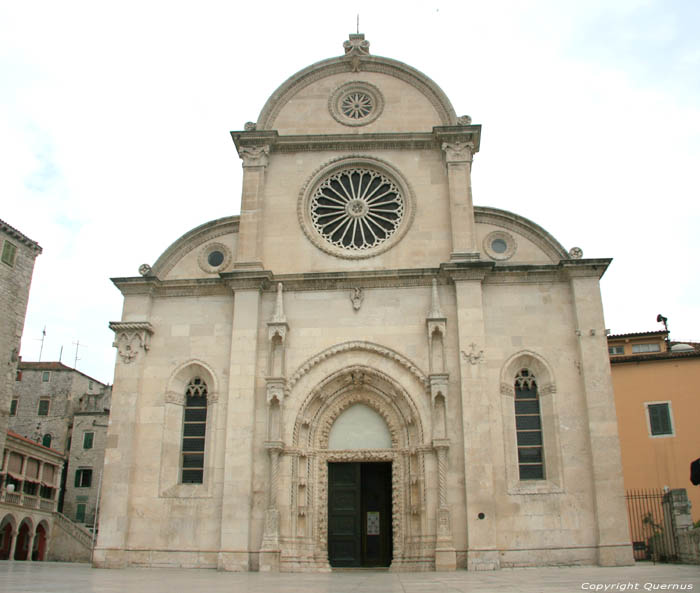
pixel 305 367
pixel 310 456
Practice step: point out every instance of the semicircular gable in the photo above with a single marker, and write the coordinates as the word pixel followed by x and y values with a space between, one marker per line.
pixel 523 227
pixel 198 236
pixel 345 65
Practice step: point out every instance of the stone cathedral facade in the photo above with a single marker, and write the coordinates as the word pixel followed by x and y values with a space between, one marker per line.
pixel 363 368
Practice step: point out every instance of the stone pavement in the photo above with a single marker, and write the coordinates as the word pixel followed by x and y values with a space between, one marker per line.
pixel 57 577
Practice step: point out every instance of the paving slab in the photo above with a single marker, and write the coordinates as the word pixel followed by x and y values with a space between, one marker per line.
pixel 58 577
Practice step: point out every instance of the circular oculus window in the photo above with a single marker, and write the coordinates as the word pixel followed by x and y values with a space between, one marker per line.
pixel 356 104
pixel 355 209
pixel 214 257
pixel 499 245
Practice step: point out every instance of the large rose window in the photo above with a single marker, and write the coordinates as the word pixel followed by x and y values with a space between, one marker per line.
pixel 357 208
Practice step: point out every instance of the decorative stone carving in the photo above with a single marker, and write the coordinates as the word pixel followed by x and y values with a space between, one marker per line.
pixel 575 253
pixel 499 245
pixel 356 45
pixel 176 397
pixel 343 225
pixel 211 249
pixel 250 126
pixel 473 357
pixel 254 156
pixel 131 337
pixel 356 297
pixel 274 389
pixel 458 152
pixel 438 386
pixel 464 120
pixel 144 269
pixel 435 311
pixel 507 389
pixel 357 345
pixel 356 103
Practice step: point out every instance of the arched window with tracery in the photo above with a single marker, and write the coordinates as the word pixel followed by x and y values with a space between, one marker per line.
pixel 528 426
pixel 194 432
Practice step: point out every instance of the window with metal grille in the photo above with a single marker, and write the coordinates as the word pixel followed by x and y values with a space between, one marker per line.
pixel 660 419
pixel 528 426
pixel 194 432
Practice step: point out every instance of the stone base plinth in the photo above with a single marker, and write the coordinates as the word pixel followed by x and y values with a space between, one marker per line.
pixel 445 559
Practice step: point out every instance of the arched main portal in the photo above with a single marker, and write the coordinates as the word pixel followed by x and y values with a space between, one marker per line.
pixel 403 459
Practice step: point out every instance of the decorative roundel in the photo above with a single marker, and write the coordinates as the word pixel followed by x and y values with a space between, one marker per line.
pixel 355 208
pixel 214 258
pixel 356 104
pixel 499 245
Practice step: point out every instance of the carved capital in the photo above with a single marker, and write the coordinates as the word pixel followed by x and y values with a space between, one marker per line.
pixel 254 156
pixel 548 389
pixel 174 397
pixel 131 337
pixel 458 152
pixel 507 389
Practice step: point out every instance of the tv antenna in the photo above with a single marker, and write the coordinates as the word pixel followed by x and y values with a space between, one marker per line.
pixel 77 346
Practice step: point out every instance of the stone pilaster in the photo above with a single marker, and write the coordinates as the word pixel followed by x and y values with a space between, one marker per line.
pixel 240 410
pixel 614 547
pixel 458 157
pixel 248 250
pixel 132 339
pixel 477 411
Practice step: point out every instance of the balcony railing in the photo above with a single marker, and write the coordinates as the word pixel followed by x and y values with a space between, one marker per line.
pixel 27 501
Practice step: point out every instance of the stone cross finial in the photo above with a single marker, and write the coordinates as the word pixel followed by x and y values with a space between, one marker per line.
pixel 279 317
pixel 435 312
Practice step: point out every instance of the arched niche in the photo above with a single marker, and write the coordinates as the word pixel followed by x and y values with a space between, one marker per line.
pixel 359 427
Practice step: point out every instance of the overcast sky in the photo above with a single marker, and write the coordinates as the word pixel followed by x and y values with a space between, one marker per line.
pixel 115 120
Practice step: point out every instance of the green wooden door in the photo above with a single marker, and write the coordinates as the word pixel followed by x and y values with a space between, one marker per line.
pixel 344 528
pixel 359 514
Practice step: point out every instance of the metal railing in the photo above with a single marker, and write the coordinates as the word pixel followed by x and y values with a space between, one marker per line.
pixel 651 527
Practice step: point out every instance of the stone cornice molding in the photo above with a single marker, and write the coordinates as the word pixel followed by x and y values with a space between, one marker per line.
pixel 310 363
pixel 191 240
pixel 16 235
pixel 357 142
pixel 248 280
pixel 585 268
pixel 344 64
pixel 470 270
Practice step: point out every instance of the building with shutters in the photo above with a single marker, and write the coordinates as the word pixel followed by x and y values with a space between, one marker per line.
pixel 655 381
pixel 363 368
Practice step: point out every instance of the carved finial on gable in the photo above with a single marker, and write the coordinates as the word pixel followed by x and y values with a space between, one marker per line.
pixel 356 47
pixel 435 312
pixel 279 317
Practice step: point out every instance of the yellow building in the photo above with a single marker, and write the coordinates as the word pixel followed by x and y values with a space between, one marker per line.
pixel 657 396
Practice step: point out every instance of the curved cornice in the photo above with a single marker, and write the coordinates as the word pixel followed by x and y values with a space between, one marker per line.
pixel 342 64
pixel 522 226
pixel 192 239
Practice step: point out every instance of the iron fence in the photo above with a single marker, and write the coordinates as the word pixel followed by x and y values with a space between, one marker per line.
pixel 651 525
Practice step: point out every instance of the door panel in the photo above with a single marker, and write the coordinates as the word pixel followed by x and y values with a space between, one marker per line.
pixel 344 533
pixel 359 514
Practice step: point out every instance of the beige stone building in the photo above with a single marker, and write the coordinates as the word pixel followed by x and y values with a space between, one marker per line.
pixel 67 410
pixel 363 368
pixel 17 255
